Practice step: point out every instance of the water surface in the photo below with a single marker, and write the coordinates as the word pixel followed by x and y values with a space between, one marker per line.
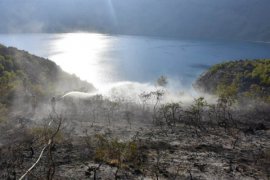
pixel 103 59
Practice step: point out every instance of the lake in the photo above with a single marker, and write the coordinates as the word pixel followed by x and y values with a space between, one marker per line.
pixel 106 59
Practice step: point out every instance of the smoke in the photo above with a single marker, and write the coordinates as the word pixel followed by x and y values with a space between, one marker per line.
pixel 173 92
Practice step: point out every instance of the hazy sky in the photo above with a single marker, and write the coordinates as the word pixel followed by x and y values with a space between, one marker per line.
pixel 204 19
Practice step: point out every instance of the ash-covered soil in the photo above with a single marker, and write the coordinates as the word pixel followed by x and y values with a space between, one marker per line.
pixel 162 152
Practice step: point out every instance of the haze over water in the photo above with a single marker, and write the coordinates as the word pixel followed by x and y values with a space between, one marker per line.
pixel 103 59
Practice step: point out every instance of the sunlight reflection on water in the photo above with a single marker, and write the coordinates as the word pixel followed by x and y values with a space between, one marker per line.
pixel 81 54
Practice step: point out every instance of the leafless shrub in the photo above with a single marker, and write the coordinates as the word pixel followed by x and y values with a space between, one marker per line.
pixel 171 113
pixel 145 98
pixel 194 115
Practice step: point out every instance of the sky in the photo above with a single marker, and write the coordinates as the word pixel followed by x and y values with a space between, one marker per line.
pixel 185 19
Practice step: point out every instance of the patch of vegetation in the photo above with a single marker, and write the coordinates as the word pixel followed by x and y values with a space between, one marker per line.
pixel 3 113
pixel 44 133
pixel 115 152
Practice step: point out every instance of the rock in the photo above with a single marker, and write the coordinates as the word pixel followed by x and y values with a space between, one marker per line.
pixel 201 167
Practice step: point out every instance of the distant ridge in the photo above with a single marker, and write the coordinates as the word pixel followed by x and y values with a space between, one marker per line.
pixel 183 19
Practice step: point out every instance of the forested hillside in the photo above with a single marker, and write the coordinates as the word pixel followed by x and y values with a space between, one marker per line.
pixel 242 79
pixel 24 76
